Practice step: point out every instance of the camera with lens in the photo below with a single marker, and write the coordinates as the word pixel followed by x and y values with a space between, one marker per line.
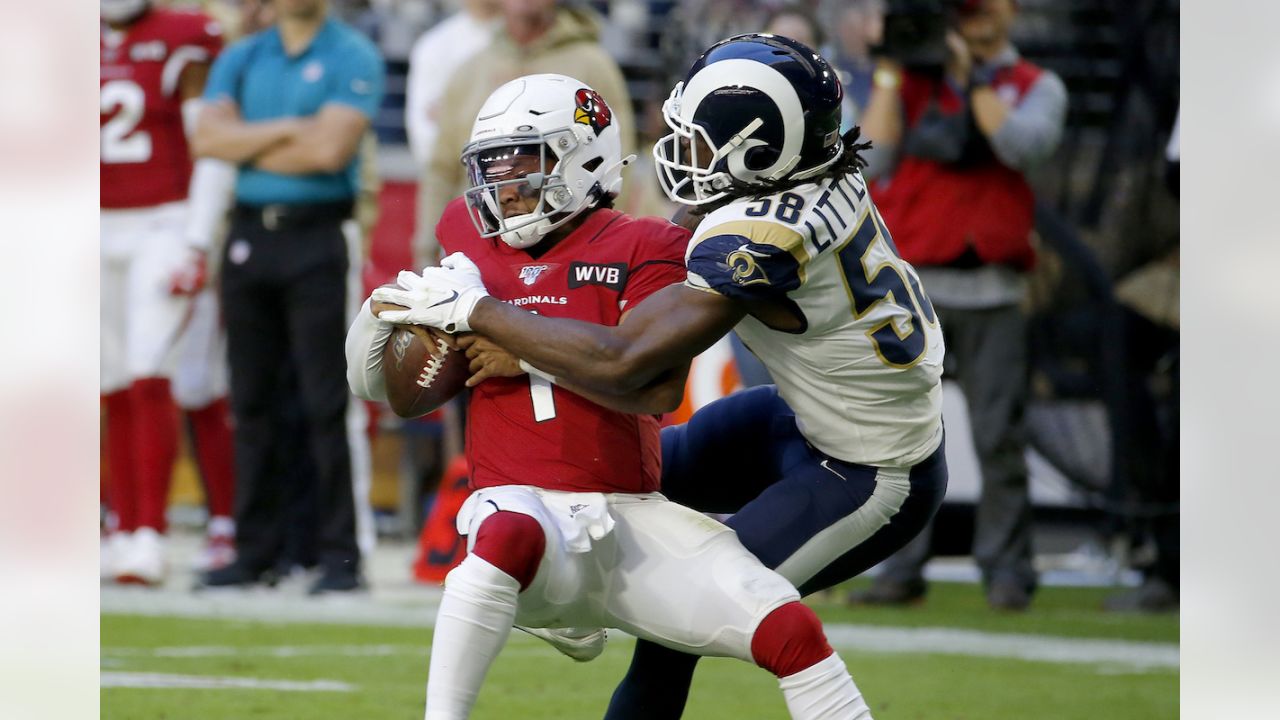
pixel 915 33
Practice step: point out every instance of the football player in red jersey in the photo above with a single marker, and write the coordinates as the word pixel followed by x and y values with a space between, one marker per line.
pixel 565 528
pixel 842 462
pixel 153 66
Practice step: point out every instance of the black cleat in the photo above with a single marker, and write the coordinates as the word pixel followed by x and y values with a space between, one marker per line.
pixel 236 575
pixel 1008 596
pixel 1153 596
pixel 339 580
pixel 889 592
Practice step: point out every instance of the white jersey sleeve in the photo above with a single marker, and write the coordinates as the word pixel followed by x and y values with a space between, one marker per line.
pixel 862 371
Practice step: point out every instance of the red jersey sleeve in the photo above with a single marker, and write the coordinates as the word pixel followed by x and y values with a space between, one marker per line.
pixel 195 38
pixel 658 260
pixel 205 34
pixel 454 227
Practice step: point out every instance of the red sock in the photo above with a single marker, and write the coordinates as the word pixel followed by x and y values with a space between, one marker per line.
pixel 789 640
pixel 211 430
pixel 513 543
pixel 120 486
pixel 155 447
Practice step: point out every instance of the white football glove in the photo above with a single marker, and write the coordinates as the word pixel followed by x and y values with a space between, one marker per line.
pixel 191 275
pixel 441 297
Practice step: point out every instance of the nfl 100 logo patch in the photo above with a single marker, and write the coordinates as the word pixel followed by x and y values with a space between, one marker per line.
pixel 530 273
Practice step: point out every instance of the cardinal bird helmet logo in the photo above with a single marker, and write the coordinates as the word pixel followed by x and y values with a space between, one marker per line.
pixel 592 110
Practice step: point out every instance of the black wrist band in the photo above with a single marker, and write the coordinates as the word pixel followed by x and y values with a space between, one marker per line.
pixel 981 76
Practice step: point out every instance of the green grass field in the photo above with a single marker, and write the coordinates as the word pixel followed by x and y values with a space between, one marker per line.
pixel 385 669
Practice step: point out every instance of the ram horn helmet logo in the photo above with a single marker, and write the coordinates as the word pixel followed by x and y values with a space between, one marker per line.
pixel 592 110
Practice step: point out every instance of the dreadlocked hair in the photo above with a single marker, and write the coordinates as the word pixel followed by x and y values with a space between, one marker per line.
pixel 850 160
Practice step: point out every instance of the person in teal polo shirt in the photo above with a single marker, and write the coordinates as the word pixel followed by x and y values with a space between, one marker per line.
pixel 289 106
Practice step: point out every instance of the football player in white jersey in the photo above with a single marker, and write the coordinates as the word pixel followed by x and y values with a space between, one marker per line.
pixel 842 463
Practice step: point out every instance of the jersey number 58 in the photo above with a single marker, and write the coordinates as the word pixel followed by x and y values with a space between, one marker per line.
pixel 874 273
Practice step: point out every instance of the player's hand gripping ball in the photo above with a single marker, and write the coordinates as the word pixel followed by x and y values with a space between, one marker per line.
pixel 440 297
pixel 422 367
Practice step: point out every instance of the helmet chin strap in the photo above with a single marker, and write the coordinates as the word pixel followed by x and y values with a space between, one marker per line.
pixel 527 235
pixel 736 140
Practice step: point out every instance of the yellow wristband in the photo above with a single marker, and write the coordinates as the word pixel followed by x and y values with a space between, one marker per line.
pixel 886 78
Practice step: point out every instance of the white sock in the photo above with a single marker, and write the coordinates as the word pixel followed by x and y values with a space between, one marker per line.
pixel 472 625
pixel 824 691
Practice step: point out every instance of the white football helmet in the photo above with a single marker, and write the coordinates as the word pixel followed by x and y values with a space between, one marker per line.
pixel 573 133
pixel 122 10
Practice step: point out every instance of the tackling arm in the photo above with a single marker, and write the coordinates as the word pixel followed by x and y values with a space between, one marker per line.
pixel 664 332
pixel 663 395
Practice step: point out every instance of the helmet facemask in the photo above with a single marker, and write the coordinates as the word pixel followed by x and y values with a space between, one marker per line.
pixel 521 168
pixel 691 168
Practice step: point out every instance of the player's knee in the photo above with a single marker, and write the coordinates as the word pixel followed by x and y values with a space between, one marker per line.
pixel 789 640
pixel 190 395
pixel 513 543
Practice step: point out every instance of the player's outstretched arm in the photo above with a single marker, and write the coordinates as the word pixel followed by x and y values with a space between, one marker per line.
pixel 665 331
pixel 663 395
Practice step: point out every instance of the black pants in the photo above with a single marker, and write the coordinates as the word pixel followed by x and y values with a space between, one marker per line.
pixel 1149 415
pixel 284 298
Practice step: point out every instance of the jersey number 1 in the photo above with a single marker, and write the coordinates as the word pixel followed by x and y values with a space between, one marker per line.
pixel 544 402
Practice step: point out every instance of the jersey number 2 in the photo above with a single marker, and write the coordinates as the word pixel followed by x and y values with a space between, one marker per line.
pixel 120 144
pixel 872 278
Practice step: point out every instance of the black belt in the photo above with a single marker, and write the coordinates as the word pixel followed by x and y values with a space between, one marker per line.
pixel 285 217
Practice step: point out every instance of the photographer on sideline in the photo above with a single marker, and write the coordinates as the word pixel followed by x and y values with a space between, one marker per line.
pixel 954 132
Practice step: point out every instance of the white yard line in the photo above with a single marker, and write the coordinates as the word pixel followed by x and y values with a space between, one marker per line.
pixel 204 682
pixel 974 643
pixel 278 606
pixel 419 610
pixel 272 651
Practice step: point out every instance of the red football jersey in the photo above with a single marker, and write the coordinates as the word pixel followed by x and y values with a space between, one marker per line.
pixel 143 157
pixel 525 431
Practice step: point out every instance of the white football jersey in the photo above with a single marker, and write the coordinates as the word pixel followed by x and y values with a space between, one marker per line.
pixel 863 369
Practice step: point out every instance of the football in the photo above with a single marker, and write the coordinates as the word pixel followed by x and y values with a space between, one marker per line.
pixel 419 382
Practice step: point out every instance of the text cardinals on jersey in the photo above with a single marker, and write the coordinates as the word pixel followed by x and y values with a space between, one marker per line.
pixel 533 434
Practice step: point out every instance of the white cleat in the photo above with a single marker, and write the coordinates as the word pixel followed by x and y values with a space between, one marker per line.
pixel 111 551
pixel 219 545
pixel 581 644
pixel 142 562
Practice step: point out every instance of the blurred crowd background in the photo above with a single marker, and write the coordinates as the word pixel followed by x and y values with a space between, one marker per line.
pixel 1102 307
